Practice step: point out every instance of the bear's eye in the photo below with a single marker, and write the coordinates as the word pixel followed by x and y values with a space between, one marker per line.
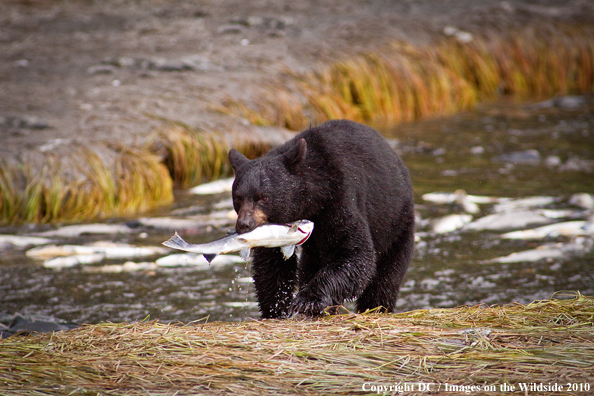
pixel 262 198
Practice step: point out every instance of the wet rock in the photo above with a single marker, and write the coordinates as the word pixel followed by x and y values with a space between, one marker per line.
pixel 23 63
pixel 575 164
pixel 200 63
pixel 101 69
pixel 78 230
pixel 27 324
pixel 72 261
pixel 439 151
pixel 165 64
pixel 24 122
pixel 168 223
pixel 128 266
pixel 197 260
pixel 216 187
pixel 255 21
pixel 552 160
pixel 8 241
pixel 230 29
pixel 460 35
pixel 562 102
pixel 528 157
pixel 193 62
pixel 477 150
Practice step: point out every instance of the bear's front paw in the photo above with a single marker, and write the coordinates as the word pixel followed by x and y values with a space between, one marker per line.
pixel 308 305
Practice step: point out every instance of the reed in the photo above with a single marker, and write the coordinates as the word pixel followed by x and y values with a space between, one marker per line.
pixel 191 156
pixel 549 341
pixel 401 83
pixel 82 187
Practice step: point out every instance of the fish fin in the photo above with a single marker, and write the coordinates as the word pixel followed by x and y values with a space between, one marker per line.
pixel 294 227
pixel 288 251
pixel 209 257
pixel 245 254
pixel 176 242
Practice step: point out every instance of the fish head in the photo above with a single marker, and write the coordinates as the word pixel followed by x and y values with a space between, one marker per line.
pixel 267 189
pixel 303 227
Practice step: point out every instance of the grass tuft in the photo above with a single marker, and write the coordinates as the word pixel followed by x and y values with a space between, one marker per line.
pixel 82 187
pixel 403 83
pixel 549 341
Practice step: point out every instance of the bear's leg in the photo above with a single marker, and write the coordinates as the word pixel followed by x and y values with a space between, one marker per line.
pixel 384 288
pixel 275 280
pixel 340 269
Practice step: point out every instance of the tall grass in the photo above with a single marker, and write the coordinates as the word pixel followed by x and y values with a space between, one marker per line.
pixel 190 156
pixel 83 186
pixel 404 83
pixel 399 83
pixel 112 179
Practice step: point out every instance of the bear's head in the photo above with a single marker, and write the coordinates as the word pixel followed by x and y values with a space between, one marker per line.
pixel 267 189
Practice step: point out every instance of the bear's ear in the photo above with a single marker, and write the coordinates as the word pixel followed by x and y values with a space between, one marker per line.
pixel 236 159
pixel 296 155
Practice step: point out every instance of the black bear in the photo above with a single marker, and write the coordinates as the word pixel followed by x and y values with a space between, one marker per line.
pixel 345 178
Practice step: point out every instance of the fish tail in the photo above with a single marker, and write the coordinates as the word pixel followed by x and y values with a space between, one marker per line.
pixel 176 242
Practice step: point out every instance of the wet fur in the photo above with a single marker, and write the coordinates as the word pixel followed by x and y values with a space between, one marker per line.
pixel 345 178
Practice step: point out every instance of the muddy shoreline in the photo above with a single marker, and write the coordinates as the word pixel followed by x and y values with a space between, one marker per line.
pixel 84 74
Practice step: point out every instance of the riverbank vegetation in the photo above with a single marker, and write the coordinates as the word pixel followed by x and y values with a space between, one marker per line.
pixel 544 342
pixel 398 83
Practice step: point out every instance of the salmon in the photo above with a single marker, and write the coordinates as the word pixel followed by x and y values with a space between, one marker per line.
pixel 285 236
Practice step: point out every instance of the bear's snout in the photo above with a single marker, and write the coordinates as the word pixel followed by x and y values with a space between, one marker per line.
pixel 245 225
pixel 249 218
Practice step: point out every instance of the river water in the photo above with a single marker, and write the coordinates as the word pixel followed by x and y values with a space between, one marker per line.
pixel 507 149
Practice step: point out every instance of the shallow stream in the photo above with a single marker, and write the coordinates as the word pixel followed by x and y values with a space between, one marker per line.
pixel 500 150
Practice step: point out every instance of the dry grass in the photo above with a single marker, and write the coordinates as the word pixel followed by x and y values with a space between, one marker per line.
pixel 82 186
pixel 116 180
pixel 192 157
pixel 400 83
pixel 542 342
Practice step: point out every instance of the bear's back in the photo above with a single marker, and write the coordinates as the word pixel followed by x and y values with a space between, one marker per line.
pixel 364 171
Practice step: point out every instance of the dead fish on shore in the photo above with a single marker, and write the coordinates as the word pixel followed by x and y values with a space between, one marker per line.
pixel 268 235
pixel 567 228
pixel 450 223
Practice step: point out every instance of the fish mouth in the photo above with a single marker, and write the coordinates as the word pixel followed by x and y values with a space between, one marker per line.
pixel 304 239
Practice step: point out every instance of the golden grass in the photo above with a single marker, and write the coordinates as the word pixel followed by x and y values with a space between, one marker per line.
pixel 114 180
pixel 404 83
pixel 550 341
pixel 192 157
pixel 400 83
pixel 82 186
